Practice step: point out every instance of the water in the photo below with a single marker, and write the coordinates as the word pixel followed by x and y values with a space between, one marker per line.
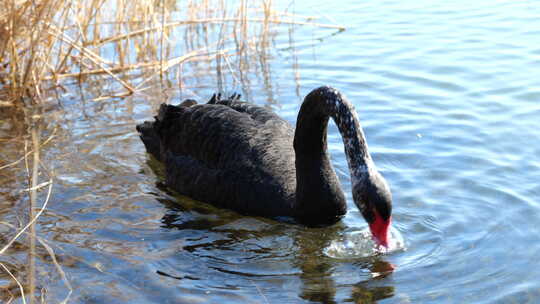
pixel 359 243
pixel 449 98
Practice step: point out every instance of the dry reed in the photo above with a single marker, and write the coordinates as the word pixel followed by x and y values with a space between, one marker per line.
pixel 43 41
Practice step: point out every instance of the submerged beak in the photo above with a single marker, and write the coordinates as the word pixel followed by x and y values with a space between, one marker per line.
pixel 379 230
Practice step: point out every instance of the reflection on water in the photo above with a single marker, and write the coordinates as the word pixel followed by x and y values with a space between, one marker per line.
pixel 450 112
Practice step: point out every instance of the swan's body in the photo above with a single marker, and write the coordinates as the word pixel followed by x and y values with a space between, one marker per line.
pixel 246 158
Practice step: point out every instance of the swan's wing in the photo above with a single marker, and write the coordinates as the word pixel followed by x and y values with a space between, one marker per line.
pixel 257 113
pixel 223 135
pixel 233 154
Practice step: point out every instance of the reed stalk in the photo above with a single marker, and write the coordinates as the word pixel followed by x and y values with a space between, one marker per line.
pixel 35 133
pixel 42 41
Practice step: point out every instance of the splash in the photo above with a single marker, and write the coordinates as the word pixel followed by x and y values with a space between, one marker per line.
pixel 358 243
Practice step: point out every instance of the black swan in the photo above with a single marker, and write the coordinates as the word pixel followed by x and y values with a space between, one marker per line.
pixel 244 157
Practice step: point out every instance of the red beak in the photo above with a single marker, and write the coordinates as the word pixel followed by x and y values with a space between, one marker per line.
pixel 379 229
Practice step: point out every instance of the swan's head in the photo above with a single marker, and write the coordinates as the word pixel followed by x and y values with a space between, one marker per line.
pixel 372 196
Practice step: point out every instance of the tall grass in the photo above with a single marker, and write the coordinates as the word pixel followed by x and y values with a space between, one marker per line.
pixel 45 41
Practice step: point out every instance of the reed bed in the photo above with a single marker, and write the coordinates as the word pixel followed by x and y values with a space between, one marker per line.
pixel 45 44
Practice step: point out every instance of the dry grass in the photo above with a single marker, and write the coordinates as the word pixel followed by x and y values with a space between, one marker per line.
pixel 33 172
pixel 44 41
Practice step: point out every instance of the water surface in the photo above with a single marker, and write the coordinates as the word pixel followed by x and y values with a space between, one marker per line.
pixel 449 98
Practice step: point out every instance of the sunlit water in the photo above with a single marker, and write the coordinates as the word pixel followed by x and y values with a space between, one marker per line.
pixel 359 243
pixel 448 94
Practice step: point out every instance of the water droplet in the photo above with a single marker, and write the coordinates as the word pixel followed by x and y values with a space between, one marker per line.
pixel 358 243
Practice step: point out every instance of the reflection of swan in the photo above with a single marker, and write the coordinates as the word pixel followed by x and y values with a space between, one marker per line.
pixel 244 157
pixel 265 256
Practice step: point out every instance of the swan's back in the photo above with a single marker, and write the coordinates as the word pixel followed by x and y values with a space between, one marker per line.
pixel 228 153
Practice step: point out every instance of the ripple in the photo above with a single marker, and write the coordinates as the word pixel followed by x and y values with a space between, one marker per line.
pixel 427 81
pixel 359 244
pixel 450 110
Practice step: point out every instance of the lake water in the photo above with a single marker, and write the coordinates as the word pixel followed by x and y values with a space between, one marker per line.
pixel 448 93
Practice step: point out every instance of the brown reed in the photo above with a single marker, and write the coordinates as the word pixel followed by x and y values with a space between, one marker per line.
pixel 44 41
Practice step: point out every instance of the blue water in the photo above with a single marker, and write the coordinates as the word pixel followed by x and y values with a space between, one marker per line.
pixel 448 95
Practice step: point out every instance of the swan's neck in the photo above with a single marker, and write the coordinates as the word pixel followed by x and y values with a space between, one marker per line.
pixel 318 194
pixel 354 140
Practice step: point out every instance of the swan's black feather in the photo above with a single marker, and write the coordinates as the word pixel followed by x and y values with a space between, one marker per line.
pixel 229 153
pixel 244 157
